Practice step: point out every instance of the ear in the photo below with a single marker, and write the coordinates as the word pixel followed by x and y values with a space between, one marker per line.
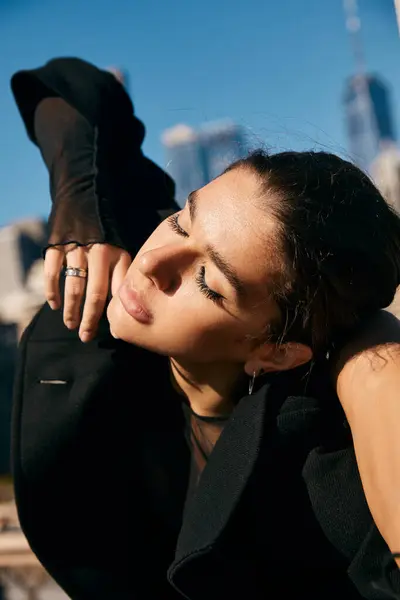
pixel 271 357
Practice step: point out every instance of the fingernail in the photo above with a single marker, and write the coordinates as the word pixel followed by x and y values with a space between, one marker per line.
pixel 53 305
pixel 70 324
pixel 85 336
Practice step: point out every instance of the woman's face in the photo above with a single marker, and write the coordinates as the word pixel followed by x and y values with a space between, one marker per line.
pixel 198 288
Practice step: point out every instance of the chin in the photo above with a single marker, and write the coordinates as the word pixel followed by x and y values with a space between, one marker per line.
pixel 127 329
pixel 121 325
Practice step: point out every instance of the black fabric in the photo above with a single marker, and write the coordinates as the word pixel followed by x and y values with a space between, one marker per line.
pixel 89 462
pixel 123 191
pixel 68 145
pixel 101 468
pixel 101 464
pixel 202 433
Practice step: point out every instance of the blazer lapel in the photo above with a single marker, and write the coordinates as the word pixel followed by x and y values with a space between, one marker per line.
pixel 206 558
pixel 220 488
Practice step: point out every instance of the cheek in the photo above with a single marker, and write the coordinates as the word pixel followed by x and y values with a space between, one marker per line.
pixel 196 319
pixel 218 336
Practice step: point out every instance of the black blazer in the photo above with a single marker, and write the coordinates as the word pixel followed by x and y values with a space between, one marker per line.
pixel 101 464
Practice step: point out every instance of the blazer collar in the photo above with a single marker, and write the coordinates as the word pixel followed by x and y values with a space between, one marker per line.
pixel 226 476
pixel 221 486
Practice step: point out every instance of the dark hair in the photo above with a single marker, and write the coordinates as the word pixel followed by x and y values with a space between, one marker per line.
pixel 339 240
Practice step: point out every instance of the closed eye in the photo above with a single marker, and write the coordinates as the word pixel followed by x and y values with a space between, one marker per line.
pixel 205 290
pixel 200 278
pixel 174 224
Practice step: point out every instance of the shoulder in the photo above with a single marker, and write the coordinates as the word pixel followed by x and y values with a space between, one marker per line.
pixel 319 447
pixel 334 488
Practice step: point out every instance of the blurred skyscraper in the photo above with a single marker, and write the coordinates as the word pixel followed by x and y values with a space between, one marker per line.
pixel 369 117
pixel 221 144
pixel 195 157
pixel 21 294
pixel 385 171
pixel 184 160
pixel 368 112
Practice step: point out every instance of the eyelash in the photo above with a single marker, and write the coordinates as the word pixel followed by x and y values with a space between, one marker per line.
pixel 200 277
pixel 174 224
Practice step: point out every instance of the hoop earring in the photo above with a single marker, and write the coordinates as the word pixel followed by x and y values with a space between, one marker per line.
pixel 251 383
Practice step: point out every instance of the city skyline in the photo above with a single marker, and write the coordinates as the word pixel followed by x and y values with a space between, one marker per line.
pixel 369 117
pixel 196 156
pixel 276 70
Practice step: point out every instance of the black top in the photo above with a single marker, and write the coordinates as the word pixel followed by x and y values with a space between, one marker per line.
pixel 101 463
pixel 202 434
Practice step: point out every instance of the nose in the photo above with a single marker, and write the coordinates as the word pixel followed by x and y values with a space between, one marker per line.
pixel 165 265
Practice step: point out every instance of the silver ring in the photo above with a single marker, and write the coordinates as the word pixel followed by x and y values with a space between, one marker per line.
pixel 75 272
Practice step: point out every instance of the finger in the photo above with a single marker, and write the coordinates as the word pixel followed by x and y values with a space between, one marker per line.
pixel 97 290
pixel 74 288
pixel 119 272
pixel 53 262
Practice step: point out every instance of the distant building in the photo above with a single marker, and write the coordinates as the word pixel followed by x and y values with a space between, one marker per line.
pixel 21 245
pixel 184 160
pixel 21 294
pixel 369 117
pixel 385 171
pixel 397 7
pixel 195 157
pixel 221 144
pixel 8 353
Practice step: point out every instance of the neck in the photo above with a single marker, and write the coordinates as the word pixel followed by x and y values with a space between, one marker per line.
pixel 211 389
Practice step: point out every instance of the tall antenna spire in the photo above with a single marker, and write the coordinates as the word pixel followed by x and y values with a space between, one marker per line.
pixel 360 82
pixel 353 26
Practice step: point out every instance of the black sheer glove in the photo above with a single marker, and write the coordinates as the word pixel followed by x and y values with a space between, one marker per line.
pixel 106 195
pixel 68 145
pixel 78 235
pixel 103 188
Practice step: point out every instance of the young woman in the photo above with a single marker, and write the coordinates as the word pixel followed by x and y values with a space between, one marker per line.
pixel 200 450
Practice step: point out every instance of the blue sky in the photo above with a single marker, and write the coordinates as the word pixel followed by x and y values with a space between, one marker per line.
pixel 276 67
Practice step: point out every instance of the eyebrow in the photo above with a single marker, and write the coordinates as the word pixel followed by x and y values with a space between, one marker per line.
pixel 226 269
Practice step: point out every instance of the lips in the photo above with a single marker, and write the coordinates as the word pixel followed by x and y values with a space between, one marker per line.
pixel 134 304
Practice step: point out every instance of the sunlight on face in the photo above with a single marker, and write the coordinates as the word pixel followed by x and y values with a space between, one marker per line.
pixel 198 288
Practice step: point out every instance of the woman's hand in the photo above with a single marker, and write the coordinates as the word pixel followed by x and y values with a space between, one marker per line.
pixel 106 266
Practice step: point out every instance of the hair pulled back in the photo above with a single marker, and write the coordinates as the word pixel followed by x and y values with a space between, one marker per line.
pixel 339 243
